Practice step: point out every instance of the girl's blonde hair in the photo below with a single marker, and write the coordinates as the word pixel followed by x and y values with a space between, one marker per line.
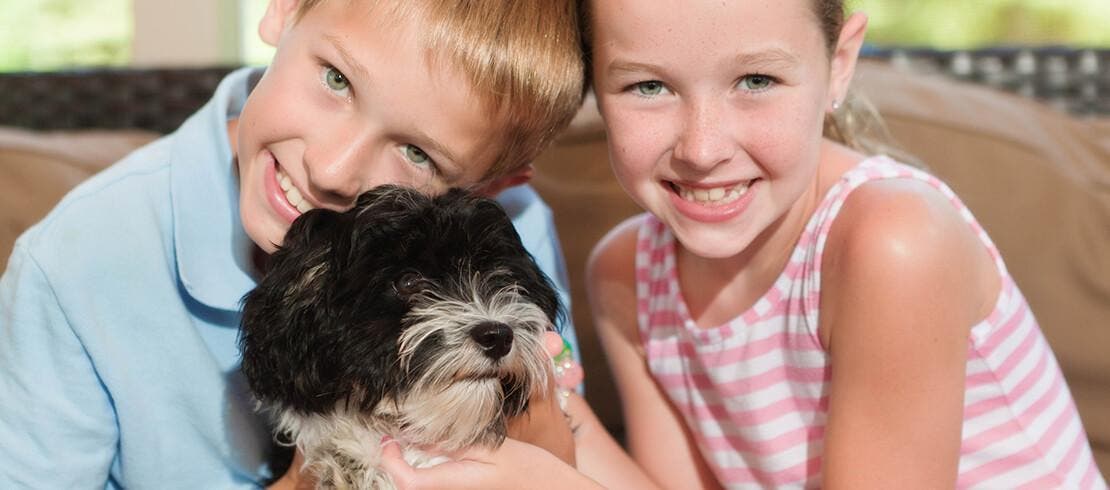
pixel 856 123
pixel 522 58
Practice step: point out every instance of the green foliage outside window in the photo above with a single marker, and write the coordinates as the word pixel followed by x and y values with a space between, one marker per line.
pixel 956 24
pixel 52 34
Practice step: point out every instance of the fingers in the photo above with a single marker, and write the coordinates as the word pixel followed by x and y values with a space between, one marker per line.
pixel 469 469
pixel 568 373
pixel 553 343
pixel 394 464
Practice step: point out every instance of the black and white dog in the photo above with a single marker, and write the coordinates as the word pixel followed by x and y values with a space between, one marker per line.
pixel 411 316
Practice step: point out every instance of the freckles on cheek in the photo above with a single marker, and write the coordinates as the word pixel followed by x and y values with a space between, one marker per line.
pixel 636 133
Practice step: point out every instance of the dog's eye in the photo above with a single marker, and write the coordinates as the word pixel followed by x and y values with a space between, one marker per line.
pixel 408 284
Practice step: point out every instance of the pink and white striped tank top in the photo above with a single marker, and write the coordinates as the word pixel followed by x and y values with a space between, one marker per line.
pixel 754 390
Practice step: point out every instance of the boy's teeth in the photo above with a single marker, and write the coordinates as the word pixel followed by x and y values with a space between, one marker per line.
pixel 291 193
pixel 716 195
pixel 294 196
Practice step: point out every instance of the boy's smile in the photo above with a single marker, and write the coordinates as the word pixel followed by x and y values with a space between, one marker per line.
pixel 282 194
pixel 352 100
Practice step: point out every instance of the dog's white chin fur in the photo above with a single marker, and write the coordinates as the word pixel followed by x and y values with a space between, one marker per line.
pixel 342 449
pixel 456 403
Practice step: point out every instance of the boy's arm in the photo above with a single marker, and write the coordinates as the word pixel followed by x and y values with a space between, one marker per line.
pixel 56 422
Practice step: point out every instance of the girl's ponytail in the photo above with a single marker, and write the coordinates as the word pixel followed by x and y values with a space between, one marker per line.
pixel 856 123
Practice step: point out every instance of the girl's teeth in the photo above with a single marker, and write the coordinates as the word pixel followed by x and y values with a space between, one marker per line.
pixel 716 195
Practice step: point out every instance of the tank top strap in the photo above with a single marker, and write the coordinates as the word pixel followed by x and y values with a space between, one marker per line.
pixel 879 167
pixel 655 267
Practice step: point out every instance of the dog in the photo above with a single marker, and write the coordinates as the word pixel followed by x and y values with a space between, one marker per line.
pixel 412 316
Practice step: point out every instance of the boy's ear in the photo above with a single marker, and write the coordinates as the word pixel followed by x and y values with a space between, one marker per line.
pixel 278 14
pixel 517 177
pixel 844 58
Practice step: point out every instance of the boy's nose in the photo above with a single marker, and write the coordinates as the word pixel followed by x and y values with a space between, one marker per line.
pixel 704 141
pixel 337 170
pixel 336 179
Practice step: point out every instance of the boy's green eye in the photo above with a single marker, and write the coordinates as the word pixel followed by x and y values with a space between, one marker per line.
pixel 649 89
pixel 416 155
pixel 755 83
pixel 336 80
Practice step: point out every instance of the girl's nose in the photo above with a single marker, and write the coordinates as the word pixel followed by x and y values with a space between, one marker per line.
pixel 703 140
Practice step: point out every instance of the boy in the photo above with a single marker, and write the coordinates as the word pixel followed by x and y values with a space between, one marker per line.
pixel 119 311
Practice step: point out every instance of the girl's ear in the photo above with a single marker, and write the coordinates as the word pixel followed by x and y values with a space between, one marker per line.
pixel 844 58
pixel 279 13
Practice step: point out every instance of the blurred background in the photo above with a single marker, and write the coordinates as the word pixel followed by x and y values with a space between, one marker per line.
pixel 38 35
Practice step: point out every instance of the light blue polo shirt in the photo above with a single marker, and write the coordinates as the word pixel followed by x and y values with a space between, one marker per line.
pixel 119 317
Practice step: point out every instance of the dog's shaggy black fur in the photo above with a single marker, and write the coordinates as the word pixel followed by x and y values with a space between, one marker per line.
pixel 411 316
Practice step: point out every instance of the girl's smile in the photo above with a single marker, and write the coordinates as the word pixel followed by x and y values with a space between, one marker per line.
pixel 712 129
pixel 712 203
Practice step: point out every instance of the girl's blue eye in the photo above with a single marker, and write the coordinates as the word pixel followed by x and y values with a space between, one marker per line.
pixel 649 89
pixel 336 80
pixel 415 155
pixel 756 83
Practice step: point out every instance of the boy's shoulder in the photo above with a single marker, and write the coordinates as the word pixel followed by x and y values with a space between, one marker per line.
pixel 103 220
pixel 130 203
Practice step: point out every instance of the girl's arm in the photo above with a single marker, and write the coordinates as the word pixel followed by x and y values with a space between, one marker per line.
pixel 903 280
pixel 657 437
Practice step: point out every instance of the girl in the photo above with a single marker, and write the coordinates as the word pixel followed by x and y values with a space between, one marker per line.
pixel 793 311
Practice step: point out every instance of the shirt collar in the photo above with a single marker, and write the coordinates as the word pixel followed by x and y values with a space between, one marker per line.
pixel 212 250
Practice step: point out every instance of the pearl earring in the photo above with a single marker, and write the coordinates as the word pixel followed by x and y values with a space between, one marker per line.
pixel 835 105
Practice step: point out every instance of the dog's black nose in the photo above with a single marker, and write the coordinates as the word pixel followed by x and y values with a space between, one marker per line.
pixel 495 339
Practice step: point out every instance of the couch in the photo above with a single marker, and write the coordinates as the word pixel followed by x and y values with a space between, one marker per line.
pixel 1036 176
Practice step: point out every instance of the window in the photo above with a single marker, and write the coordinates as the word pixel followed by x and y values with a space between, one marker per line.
pixel 52 34
pixel 55 34
pixel 958 24
pixel 255 52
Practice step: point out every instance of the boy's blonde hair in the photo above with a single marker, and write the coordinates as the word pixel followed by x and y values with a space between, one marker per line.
pixel 523 58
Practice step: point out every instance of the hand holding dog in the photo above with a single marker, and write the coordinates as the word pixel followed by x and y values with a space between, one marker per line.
pixel 533 438
pixel 545 424
pixel 542 427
